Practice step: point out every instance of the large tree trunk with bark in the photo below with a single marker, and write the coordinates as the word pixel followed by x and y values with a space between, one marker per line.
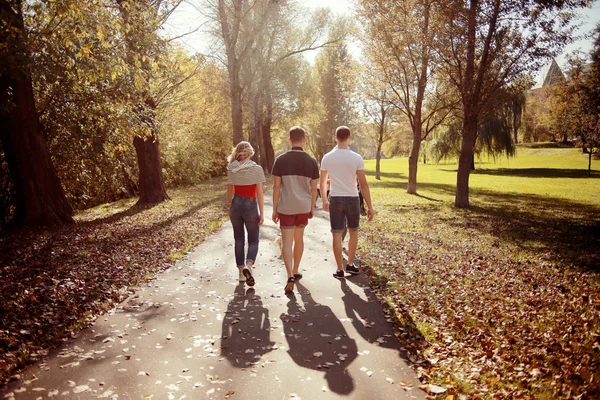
pixel 465 162
pixel 267 153
pixel 236 109
pixel 152 184
pixel 413 159
pixel 254 121
pixel 40 198
pixel 413 164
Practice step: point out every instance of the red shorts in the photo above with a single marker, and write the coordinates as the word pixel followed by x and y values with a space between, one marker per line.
pixel 290 221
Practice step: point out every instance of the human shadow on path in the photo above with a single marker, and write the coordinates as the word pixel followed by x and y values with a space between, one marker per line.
pixel 245 335
pixel 368 322
pixel 317 340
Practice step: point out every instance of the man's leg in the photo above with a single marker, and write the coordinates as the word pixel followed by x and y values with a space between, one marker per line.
pixel 352 244
pixel 353 215
pixel 287 241
pixel 336 220
pixel 298 247
pixel 337 250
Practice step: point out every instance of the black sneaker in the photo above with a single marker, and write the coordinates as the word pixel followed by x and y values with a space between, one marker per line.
pixel 339 274
pixel 352 269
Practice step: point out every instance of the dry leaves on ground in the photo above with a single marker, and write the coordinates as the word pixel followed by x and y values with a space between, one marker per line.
pixel 54 282
pixel 493 302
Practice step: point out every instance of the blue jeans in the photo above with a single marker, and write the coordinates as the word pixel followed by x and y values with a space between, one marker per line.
pixel 244 213
pixel 344 208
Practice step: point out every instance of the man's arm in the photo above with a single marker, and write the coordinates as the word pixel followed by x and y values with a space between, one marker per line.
pixel 364 189
pixel 276 195
pixel 324 175
pixel 313 189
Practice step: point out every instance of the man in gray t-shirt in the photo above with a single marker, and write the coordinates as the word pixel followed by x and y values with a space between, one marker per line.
pixel 295 176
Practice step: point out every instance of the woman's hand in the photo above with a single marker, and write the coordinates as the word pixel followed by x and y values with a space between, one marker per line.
pixel 275 216
pixel 261 219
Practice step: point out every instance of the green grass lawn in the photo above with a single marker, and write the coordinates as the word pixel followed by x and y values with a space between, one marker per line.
pixel 551 172
pixel 501 299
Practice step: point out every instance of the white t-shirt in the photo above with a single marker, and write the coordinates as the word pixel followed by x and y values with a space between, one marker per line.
pixel 341 165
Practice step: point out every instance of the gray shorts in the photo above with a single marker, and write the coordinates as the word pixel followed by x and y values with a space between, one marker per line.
pixel 344 208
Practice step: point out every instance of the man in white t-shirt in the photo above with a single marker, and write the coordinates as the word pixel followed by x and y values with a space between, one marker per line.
pixel 343 166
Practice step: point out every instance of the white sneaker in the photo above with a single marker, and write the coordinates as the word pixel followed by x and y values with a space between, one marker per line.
pixel 242 277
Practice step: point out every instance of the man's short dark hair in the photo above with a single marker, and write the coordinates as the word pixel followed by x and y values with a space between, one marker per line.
pixel 297 134
pixel 342 133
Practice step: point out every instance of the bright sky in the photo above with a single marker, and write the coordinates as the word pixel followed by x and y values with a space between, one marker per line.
pixel 186 18
pixel 337 6
pixel 589 19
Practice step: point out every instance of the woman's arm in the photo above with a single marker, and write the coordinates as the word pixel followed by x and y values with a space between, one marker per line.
pixel 261 203
pixel 230 191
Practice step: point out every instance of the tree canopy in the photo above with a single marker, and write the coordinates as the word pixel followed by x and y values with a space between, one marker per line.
pixel 115 108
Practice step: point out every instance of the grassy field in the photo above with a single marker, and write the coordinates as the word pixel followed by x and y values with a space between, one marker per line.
pixel 547 172
pixel 502 299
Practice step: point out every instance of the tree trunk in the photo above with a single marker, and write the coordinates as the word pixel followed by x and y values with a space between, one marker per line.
pixel 413 163
pixel 152 184
pixel 236 110
pixel 516 115
pixel 378 161
pixel 465 162
pixel 253 122
pixel 267 153
pixel 151 181
pixel 40 198
pixel 590 160
pixel 266 149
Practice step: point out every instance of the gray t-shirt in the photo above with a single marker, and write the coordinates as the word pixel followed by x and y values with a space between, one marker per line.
pixel 296 169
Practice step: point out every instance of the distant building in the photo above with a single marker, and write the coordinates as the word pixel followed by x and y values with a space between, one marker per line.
pixel 551 74
pixel 536 109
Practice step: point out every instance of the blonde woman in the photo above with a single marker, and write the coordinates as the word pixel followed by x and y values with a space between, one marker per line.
pixel 246 200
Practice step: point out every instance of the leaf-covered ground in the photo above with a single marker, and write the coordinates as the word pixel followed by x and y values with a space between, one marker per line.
pixel 499 301
pixel 54 282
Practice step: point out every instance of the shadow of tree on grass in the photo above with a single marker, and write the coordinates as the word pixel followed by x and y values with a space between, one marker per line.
pixel 538 172
pixel 390 175
pixel 568 230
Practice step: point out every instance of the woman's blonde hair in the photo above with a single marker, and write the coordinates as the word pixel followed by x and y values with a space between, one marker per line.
pixel 242 151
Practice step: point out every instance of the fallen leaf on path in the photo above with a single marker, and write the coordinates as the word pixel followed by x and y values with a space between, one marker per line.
pixel 81 389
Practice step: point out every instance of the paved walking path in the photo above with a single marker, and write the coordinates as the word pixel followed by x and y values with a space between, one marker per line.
pixel 194 332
